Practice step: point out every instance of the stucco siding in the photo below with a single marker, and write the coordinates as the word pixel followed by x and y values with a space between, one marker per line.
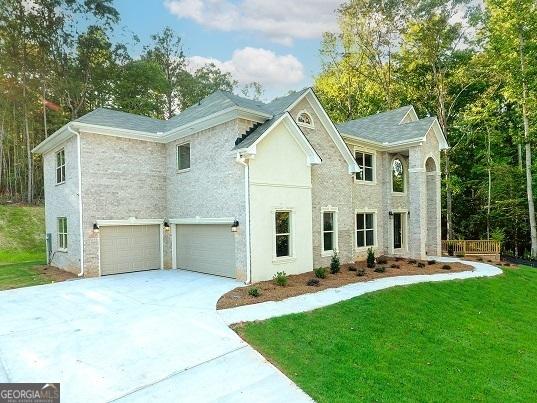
pixel 61 200
pixel 280 179
pixel 121 178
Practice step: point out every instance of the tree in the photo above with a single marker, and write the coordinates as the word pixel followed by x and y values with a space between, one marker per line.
pixel 203 82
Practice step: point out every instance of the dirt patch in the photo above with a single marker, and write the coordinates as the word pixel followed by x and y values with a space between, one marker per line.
pixel 297 283
pixel 53 274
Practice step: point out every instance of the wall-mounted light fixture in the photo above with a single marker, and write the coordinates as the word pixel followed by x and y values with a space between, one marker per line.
pixel 166 226
pixel 96 228
pixel 390 213
pixel 235 226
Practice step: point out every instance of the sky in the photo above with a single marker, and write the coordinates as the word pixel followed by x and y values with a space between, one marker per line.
pixel 273 42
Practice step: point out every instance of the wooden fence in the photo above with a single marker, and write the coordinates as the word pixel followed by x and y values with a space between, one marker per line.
pixel 474 247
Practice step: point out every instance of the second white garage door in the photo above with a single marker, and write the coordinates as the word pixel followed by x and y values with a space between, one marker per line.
pixel 207 248
pixel 127 248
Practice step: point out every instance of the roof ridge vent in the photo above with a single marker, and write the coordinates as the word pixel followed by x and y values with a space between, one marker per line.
pixel 240 139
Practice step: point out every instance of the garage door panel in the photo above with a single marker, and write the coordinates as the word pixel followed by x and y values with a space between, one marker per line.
pixel 206 248
pixel 128 248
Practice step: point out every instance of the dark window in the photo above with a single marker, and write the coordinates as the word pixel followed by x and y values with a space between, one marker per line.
pixel 365 231
pixel 397 230
pixel 328 231
pixel 183 156
pixel 365 162
pixel 283 233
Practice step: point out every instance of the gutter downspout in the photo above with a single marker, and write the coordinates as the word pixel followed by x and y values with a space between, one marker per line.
pixel 241 161
pixel 77 133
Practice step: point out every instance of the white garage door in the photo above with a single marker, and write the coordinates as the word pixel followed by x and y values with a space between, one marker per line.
pixel 127 248
pixel 207 248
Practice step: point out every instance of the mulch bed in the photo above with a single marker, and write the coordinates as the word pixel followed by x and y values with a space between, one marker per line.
pixel 53 274
pixel 297 283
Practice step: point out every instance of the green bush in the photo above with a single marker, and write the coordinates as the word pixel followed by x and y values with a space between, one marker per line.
pixel 421 265
pixel 412 261
pixel 352 267
pixel 334 264
pixel 313 282
pixel 370 258
pixel 380 269
pixel 320 272
pixel 431 262
pixel 280 278
pixel 395 266
pixel 446 267
pixel 450 249
pixel 254 292
pixel 360 272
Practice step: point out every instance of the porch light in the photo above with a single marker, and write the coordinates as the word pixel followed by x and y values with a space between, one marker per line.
pixel 95 228
pixel 235 226
pixel 166 226
pixel 390 213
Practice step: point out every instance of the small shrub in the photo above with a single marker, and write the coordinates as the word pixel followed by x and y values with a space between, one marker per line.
pixel 280 278
pixel 352 267
pixel 431 262
pixel 320 272
pixel 313 282
pixel 450 249
pixel 446 267
pixel 380 269
pixel 421 265
pixel 395 266
pixel 412 261
pixel 254 292
pixel 360 272
pixel 489 261
pixel 382 260
pixel 370 258
pixel 334 264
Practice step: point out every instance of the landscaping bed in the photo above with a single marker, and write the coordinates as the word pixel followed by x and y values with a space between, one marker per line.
pixel 297 284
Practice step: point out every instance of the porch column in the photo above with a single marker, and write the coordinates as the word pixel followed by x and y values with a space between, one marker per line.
pixel 417 191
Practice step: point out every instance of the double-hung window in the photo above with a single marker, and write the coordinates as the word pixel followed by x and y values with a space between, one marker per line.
pixel 60 166
pixel 365 230
pixel 62 233
pixel 282 222
pixel 183 157
pixel 365 162
pixel 329 236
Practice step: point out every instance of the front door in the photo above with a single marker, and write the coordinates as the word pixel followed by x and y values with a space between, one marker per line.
pixel 397 230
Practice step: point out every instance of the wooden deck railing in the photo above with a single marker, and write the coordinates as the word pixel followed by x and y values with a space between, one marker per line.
pixel 473 247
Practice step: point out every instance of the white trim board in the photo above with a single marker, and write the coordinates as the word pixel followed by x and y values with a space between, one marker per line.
pixel 130 221
pixel 203 220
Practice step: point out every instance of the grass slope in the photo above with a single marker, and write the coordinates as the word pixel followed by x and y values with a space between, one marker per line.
pixel 453 341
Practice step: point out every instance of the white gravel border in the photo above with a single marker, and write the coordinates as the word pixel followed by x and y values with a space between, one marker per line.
pixel 308 302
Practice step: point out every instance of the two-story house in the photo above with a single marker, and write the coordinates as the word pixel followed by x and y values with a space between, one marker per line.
pixel 240 188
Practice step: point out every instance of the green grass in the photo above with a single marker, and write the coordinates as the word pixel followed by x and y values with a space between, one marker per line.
pixel 22 246
pixel 454 341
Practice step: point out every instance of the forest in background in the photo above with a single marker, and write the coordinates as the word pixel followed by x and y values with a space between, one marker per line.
pixel 472 64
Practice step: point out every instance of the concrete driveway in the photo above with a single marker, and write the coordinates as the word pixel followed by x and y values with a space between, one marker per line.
pixel 134 337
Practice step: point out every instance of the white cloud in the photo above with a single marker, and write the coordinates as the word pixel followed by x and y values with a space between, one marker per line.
pixel 280 20
pixel 254 64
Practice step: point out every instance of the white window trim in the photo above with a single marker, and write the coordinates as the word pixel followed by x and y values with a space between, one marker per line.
pixel 291 257
pixel 405 175
pixel 405 228
pixel 329 209
pixel 59 167
pixel 60 249
pixel 375 230
pixel 177 170
pixel 373 154
pixel 309 126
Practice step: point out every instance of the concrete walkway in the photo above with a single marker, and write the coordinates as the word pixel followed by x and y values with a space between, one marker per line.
pixel 148 336
pixel 308 302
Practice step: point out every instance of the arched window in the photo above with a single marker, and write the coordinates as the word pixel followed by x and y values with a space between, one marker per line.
pixel 304 119
pixel 398 176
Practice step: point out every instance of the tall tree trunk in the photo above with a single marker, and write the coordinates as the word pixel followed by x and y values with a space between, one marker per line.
pixel 1 152
pixel 489 166
pixel 30 176
pixel 519 146
pixel 529 179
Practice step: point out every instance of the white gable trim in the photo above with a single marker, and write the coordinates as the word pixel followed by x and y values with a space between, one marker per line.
pixel 412 113
pixel 442 142
pixel 286 119
pixel 329 127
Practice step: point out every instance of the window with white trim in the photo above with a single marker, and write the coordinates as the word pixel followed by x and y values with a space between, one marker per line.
pixel 282 223
pixel 304 119
pixel 365 162
pixel 398 176
pixel 329 231
pixel 183 156
pixel 60 166
pixel 62 233
pixel 365 229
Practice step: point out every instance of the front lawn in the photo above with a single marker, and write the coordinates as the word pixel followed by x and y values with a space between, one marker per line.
pixel 452 341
